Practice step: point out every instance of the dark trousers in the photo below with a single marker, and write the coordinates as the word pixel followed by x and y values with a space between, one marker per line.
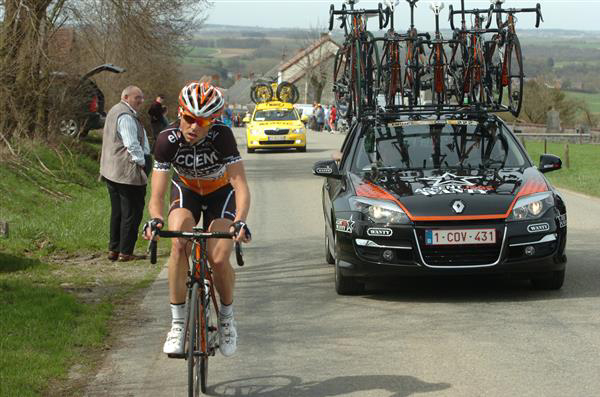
pixel 127 208
pixel 157 127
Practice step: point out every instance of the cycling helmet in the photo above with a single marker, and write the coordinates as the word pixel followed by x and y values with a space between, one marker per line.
pixel 201 99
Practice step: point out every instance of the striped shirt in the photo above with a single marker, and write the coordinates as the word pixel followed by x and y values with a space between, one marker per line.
pixel 127 130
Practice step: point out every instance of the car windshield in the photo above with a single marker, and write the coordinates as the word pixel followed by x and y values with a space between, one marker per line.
pixel 437 145
pixel 275 115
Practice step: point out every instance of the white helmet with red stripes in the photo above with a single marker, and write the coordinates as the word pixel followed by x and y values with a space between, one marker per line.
pixel 201 99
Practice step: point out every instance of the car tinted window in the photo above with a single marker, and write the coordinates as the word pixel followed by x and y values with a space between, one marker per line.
pixel 276 115
pixel 476 145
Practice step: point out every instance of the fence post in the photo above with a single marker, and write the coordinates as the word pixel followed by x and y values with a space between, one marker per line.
pixel 566 156
pixel 545 146
pixel 3 229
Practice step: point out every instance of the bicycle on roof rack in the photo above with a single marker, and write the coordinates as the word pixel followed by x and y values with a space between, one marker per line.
pixel 264 90
pixel 508 70
pixel 397 87
pixel 482 74
pixel 356 63
pixel 468 57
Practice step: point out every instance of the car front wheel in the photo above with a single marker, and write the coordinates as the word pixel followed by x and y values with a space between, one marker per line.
pixel 345 285
pixel 551 281
pixel 328 257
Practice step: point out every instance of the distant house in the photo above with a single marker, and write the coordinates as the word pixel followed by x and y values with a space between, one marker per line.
pixel 318 57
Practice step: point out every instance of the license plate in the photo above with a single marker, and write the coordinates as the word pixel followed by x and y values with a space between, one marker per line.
pixel 460 236
pixel 277 138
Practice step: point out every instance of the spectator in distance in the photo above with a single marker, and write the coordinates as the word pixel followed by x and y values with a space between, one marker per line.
pixel 158 116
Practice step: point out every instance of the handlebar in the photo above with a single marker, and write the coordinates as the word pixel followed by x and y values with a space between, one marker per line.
pixel 476 11
pixel 343 12
pixel 538 11
pixel 193 235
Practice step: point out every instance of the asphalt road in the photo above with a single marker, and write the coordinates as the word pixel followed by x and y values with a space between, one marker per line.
pixel 446 337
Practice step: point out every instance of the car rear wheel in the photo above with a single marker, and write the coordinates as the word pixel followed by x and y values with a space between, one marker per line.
pixel 69 127
pixel 551 281
pixel 345 285
pixel 328 257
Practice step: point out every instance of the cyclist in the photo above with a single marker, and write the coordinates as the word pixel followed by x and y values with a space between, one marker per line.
pixel 209 179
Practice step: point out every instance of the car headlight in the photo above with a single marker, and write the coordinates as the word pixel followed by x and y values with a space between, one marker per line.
pixel 531 206
pixel 255 132
pixel 379 211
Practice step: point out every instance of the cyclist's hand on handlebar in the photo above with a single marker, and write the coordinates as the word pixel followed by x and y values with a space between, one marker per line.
pixel 241 232
pixel 152 226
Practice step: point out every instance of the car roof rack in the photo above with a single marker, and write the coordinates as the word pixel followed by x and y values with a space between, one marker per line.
pixel 416 112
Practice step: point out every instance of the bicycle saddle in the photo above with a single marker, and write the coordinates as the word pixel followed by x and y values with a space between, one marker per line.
pixel 436 7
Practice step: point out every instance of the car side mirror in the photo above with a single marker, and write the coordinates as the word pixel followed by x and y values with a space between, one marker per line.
pixel 304 118
pixel 246 120
pixel 327 168
pixel 549 162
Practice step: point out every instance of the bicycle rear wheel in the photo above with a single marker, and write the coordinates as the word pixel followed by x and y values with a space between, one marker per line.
pixel 515 77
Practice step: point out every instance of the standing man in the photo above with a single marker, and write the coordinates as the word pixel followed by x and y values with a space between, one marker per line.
pixel 124 165
pixel 158 119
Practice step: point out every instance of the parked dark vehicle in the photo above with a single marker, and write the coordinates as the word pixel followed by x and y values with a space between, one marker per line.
pixel 81 102
pixel 441 196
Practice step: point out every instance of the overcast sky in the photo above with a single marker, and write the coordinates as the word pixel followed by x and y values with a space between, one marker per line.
pixel 558 14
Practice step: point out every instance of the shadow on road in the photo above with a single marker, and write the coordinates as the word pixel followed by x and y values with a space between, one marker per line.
pixel 293 386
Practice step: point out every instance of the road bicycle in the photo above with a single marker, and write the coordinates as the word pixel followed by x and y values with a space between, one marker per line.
pixel 468 60
pixel 201 333
pixel 356 63
pixel 438 62
pixel 508 69
pixel 414 58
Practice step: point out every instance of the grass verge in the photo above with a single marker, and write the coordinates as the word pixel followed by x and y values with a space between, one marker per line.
pixel 583 173
pixel 58 291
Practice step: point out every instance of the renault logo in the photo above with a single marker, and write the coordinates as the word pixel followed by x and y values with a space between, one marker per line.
pixel 458 206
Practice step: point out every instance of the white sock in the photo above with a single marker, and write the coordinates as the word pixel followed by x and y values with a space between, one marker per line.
pixel 177 314
pixel 226 310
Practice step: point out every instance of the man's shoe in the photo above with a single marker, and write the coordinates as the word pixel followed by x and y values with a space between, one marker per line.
pixel 227 336
pixel 174 342
pixel 132 257
pixel 113 255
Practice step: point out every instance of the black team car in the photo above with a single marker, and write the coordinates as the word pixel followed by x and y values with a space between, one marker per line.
pixel 441 195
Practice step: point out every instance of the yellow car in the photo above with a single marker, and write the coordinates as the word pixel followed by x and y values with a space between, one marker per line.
pixel 275 125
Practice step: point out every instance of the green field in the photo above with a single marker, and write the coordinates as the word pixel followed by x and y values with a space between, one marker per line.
pixel 593 100
pixel 583 173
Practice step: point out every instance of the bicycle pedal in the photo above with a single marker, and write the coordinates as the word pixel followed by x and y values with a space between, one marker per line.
pixel 172 355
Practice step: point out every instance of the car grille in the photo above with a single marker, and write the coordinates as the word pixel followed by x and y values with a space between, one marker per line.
pixel 277 132
pixel 286 142
pixel 460 255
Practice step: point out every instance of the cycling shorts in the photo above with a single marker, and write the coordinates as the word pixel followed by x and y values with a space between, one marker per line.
pixel 218 204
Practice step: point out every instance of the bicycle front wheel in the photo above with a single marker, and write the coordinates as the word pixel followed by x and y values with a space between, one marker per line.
pixel 196 355
pixel 515 77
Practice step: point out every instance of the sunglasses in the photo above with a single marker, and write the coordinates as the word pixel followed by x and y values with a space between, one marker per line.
pixel 199 121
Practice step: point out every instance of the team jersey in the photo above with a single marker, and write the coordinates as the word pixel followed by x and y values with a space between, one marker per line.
pixel 202 166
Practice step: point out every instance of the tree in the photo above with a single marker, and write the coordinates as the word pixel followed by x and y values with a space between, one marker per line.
pixel 313 63
pixel 142 35
pixel 539 99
